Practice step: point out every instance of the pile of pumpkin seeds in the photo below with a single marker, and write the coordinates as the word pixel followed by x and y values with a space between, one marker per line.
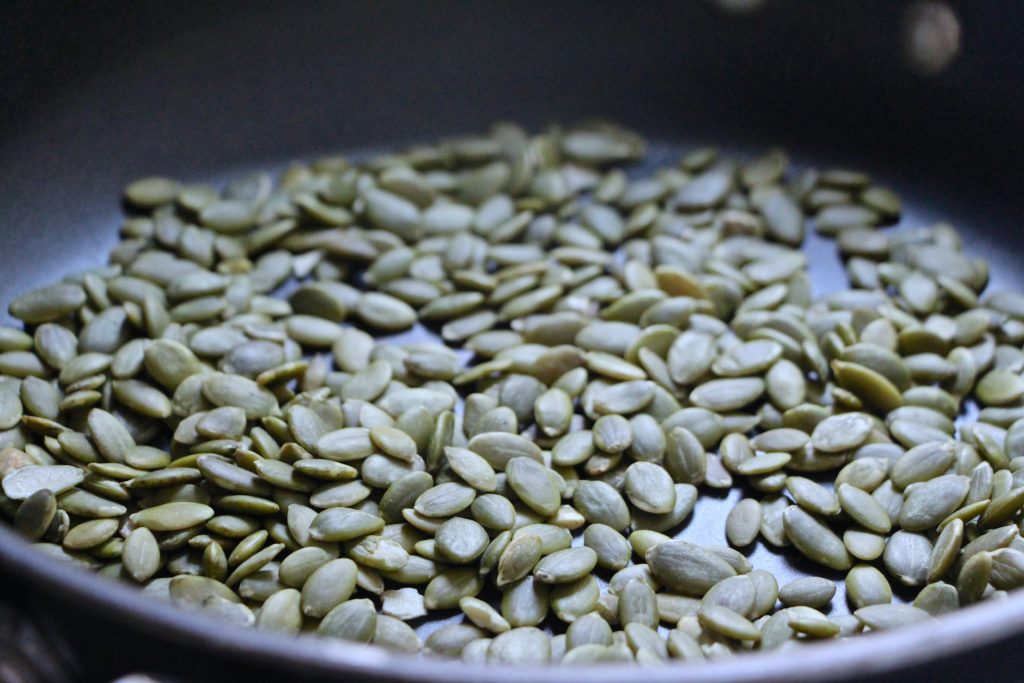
pixel 225 417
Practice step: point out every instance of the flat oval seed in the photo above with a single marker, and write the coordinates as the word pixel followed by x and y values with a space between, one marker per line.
pixel 461 540
pixel 47 304
pixel 612 548
pixel 686 568
pixel 945 550
pixel 444 500
pixel 743 523
pixel 907 556
pixel 172 516
pixel 328 586
pixel 815 540
pixel 141 555
pixel 811 591
pixel 863 509
pixel 281 612
pixel 865 586
pixel 599 503
pixel 841 432
pixel 812 496
pixel 932 501
pixel 534 485
pixel 344 524
pixel 355 620
pixel 394 442
pixel 723 395
pixel 24 482
pixel 566 565
pixel 650 488
pixel 880 617
pixel 728 623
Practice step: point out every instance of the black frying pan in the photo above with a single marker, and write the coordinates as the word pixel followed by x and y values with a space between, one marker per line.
pixel 95 94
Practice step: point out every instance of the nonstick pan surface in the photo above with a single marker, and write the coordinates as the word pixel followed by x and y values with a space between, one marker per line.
pixel 96 94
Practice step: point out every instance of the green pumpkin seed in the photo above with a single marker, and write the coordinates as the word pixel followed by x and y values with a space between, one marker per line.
pixel 880 617
pixel 355 620
pixel 815 540
pixel 26 481
pixel 532 483
pixel 811 591
pixel 172 516
pixel 907 557
pixel 686 568
pixel 599 503
pixel 47 304
pixel 865 586
pixel 743 523
pixel 863 509
pixel 725 622
pixel 343 524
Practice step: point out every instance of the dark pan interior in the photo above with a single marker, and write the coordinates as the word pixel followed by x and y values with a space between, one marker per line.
pixel 95 94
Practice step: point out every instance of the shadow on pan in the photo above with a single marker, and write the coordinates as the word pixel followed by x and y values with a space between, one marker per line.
pixel 95 94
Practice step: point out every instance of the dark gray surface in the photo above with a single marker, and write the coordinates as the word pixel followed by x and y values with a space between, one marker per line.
pixel 94 94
